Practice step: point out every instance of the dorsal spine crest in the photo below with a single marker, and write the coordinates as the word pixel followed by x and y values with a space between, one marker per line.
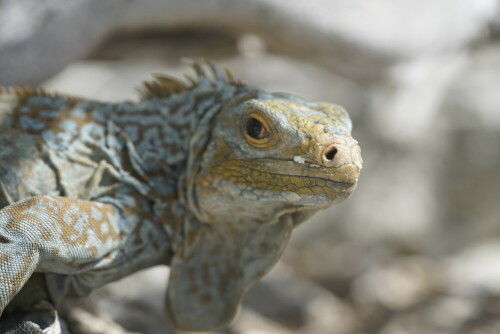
pixel 207 72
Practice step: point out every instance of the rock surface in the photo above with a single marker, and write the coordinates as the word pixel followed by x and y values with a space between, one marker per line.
pixel 40 319
pixel 358 39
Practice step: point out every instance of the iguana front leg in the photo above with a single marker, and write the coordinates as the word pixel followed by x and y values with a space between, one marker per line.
pixel 54 234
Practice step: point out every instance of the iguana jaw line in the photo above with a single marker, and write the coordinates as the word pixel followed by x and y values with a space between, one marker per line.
pixel 346 174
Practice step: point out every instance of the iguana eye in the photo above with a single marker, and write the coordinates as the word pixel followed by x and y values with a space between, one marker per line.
pixel 257 130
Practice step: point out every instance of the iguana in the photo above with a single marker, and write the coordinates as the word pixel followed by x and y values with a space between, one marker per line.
pixel 206 175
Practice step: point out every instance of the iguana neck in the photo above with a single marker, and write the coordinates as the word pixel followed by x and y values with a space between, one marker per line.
pixel 161 129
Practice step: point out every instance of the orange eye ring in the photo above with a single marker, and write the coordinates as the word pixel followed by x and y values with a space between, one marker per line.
pixel 257 130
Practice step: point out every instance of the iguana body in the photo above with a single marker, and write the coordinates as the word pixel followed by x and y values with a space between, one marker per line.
pixel 208 177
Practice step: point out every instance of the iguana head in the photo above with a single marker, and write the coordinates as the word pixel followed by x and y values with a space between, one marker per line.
pixel 258 164
pixel 271 154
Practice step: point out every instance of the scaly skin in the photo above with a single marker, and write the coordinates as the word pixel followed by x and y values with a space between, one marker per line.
pixel 208 177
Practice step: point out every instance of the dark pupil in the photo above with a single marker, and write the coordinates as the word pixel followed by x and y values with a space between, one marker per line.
pixel 256 129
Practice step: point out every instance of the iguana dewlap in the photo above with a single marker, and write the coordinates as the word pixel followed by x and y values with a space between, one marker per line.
pixel 208 177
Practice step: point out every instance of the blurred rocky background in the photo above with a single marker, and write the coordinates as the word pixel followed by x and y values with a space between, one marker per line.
pixel 416 250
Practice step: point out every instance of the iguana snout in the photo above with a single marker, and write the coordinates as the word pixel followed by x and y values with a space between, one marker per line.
pixel 344 156
pixel 339 152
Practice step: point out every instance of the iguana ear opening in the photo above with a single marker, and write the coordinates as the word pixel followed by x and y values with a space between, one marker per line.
pixel 211 273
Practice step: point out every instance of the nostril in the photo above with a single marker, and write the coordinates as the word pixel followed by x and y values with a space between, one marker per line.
pixel 330 153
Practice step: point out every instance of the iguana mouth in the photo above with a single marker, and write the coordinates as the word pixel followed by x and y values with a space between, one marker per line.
pixel 287 175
